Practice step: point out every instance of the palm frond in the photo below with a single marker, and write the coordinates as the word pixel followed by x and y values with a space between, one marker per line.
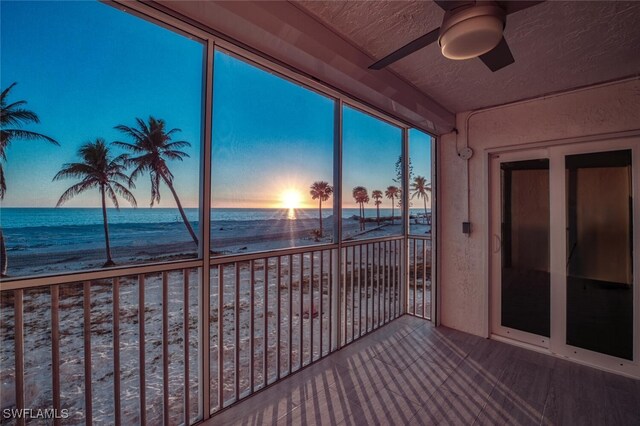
pixel 155 187
pixel 112 196
pixel 172 131
pixel 6 91
pixel 122 177
pixel 143 125
pixel 176 155
pixel 125 193
pixel 166 174
pixel 77 170
pixel 127 146
pixel 177 144
pixel 26 134
pixel 135 173
pixel 75 190
pixel 16 117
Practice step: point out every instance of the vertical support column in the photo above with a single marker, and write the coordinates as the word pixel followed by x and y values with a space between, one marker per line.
pixel 221 269
pixel 336 293
pixel 236 331
pixel 185 325
pixel 321 307
pixel 204 299
pixel 278 318
pixel 252 331
pixel 336 255
pixel 290 315
pixel 55 349
pixel 265 325
pixel 434 314
pixel 165 348
pixel 18 312
pixel 116 351
pixel 310 308
pixel 141 351
pixel 404 281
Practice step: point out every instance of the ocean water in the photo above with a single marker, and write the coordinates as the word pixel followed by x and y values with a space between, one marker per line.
pixel 12 218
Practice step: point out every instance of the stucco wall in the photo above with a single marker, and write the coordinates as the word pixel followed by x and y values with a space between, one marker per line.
pixel 463 259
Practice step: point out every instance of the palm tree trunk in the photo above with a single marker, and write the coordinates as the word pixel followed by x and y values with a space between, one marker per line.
pixel 109 261
pixel 393 207
pixel 182 213
pixel 364 226
pixel 378 214
pixel 425 209
pixel 3 256
pixel 320 209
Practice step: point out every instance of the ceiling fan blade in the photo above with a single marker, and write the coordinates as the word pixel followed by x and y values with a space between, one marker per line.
pixel 516 6
pixel 407 49
pixel 499 57
pixel 448 5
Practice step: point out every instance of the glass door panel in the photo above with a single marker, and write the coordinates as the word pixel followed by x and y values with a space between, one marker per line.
pixel 599 270
pixel 525 279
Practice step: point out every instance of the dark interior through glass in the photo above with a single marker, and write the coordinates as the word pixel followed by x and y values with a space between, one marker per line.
pixel 599 252
pixel 525 246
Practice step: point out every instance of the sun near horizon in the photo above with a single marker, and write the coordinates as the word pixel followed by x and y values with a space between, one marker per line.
pixel 291 199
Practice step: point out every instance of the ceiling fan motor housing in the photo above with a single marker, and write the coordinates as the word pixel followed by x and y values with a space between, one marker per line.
pixel 468 32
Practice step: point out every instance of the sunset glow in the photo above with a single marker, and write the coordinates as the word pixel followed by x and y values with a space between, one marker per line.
pixel 291 199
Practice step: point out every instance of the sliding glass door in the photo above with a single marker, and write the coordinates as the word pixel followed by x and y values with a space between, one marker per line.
pixel 521 299
pixel 562 263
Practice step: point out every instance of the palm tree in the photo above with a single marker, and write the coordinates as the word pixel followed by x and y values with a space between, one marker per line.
pixel 152 147
pixel 392 193
pixel 420 187
pixel 377 196
pixel 321 191
pixel 361 196
pixel 13 116
pixel 98 170
pixel 3 256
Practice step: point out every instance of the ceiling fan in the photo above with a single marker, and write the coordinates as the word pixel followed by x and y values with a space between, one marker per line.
pixel 469 29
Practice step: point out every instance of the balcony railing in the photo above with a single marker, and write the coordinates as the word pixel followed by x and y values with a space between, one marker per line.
pixel 419 277
pixel 124 348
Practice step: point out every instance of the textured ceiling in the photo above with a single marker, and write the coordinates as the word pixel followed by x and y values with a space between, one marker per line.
pixel 557 46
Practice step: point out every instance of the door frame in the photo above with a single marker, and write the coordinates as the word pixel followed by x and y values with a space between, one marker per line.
pixel 555 152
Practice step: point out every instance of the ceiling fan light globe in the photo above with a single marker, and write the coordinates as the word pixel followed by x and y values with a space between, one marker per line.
pixel 472 37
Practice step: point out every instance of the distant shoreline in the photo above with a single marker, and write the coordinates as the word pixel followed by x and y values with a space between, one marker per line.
pixel 81 253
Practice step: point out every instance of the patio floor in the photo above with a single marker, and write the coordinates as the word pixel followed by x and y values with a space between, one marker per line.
pixel 410 372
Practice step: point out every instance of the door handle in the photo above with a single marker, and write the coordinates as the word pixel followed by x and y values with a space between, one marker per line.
pixel 498 243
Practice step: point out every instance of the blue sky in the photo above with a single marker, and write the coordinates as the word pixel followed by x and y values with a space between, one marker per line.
pixel 269 136
pixel 93 67
pixel 86 70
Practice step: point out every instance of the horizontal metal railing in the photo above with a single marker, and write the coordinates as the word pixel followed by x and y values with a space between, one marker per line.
pixel 419 276
pixel 125 346
pixel 100 274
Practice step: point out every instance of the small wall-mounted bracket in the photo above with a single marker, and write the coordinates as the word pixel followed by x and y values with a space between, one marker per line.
pixel 466 228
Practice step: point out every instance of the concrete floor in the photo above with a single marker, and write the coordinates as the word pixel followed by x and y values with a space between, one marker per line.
pixel 410 372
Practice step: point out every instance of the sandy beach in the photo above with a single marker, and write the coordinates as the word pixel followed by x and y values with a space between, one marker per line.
pixel 83 249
